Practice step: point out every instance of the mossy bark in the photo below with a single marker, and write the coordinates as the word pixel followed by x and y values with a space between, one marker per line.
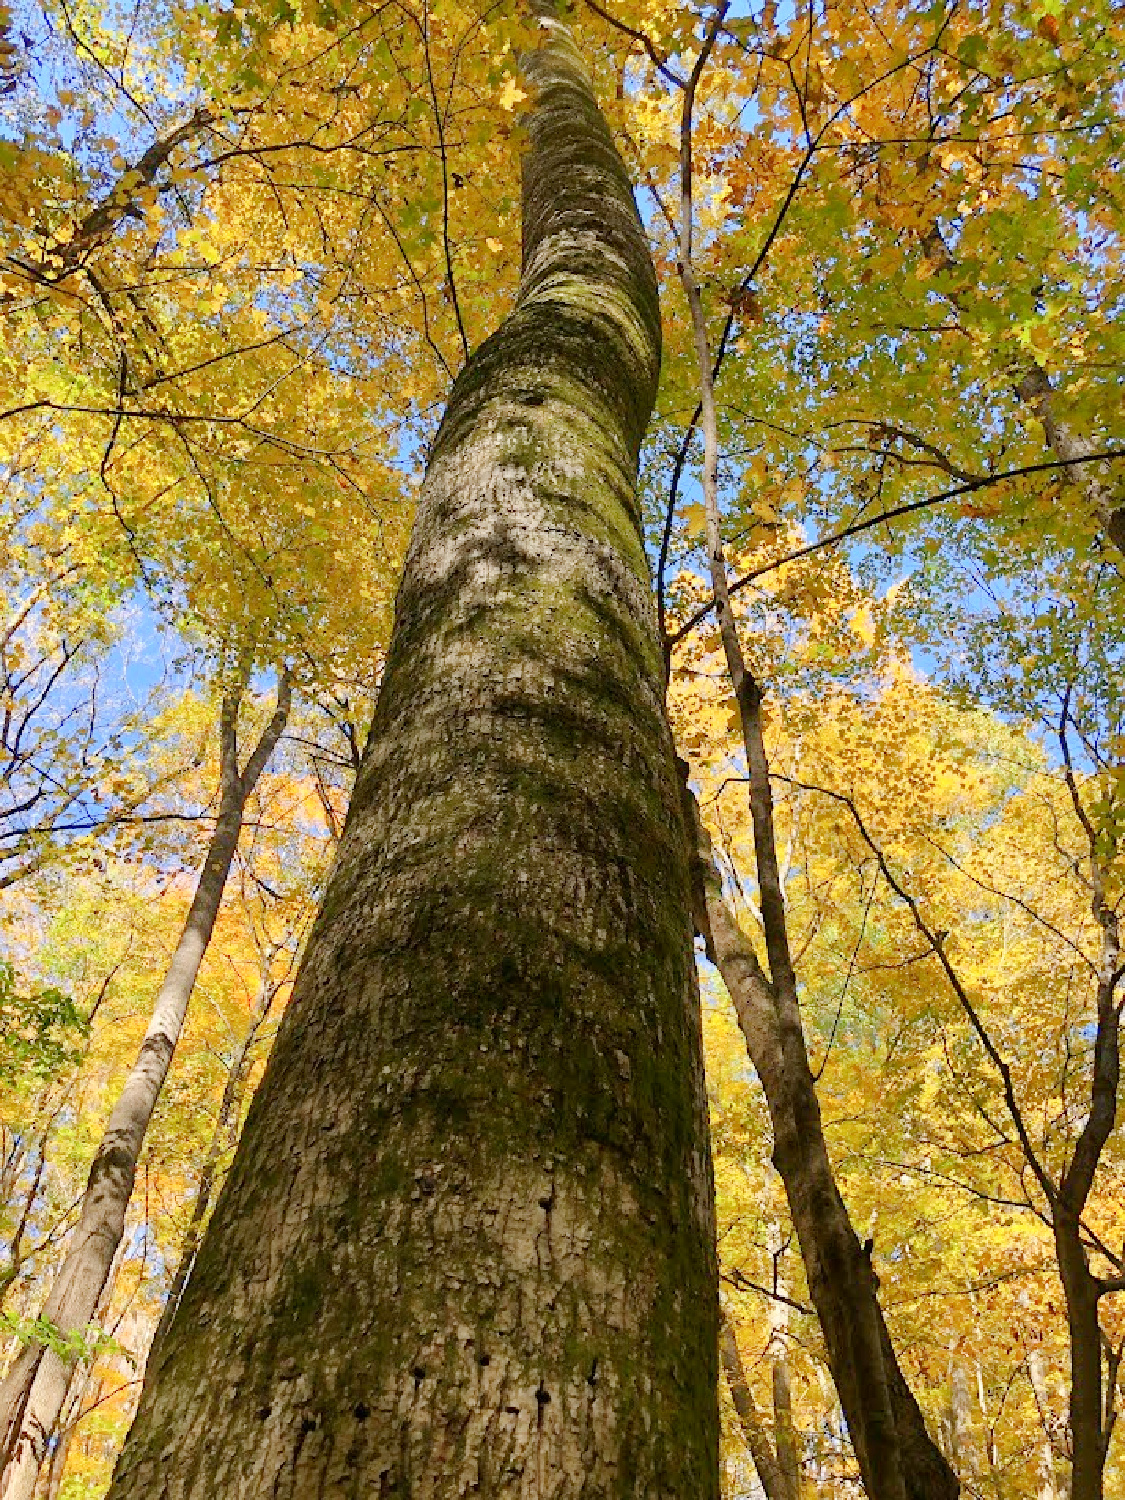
pixel 466 1245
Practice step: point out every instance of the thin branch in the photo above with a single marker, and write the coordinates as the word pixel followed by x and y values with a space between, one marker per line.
pixel 836 537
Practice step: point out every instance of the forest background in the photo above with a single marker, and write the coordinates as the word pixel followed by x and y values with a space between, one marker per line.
pixel 245 250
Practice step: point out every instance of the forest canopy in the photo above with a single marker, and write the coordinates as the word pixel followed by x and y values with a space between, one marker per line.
pixel 246 250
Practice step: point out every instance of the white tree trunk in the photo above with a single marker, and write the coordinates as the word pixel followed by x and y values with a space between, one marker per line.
pixel 35 1388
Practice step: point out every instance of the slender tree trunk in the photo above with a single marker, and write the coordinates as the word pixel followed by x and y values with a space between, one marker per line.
pixel 961 1454
pixel 1081 1295
pixel 36 1385
pixel 785 1431
pixel 896 1454
pixel 1091 1424
pixel 226 1122
pixel 1037 1375
pixel 1106 504
pixel 466 1246
pixel 769 1471
pixel 897 1457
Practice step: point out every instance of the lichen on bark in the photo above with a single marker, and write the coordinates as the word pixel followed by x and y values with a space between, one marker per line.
pixel 466 1245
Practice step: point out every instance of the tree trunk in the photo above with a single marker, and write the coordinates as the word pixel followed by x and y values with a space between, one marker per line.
pixel 1091 1423
pixel 1037 1375
pixel 961 1445
pixel 1081 1297
pixel 769 1471
pixel 1105 503
pixel 466 1245
pixel 896 1455
pixel 36 1385
pixel 785 1431
pixel 222 1138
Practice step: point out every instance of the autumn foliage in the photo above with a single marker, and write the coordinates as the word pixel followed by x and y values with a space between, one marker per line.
pixel 244 251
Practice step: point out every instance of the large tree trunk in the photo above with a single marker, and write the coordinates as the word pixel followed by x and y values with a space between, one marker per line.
pixel 36 1385
pixel 466 1245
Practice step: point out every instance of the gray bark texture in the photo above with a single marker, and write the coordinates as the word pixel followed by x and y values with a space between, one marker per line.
pixel 775 1482
pixel 1037 1374
pixel 1104 500
pixel 35 1386
pixel 466 1246
pixel 223 1137
pixel 898 1459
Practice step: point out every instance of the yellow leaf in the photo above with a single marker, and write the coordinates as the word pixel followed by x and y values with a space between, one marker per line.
pixel 511 94
pixel 695 520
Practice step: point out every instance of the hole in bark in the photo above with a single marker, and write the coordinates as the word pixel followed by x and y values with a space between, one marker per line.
pixel 547 1203
pixel 263 1412
pixel 419 1375
pixel 534 398
pixel 484 1359
pixel 362 1411
pixel 308 1424
pixel 592 1378
pixel 543 1398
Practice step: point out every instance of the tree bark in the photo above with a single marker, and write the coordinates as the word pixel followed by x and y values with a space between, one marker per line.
pixel 466 1245
pixel 222 1138
pixel 770 1474
pixel 1104 498
pixel 1080 1291
pixel 1037 1375
pixel 1091 1426
pixel 1105 503
pixel 961 1446
pixel 785 1431
pixel 35 1387
pixel 896 1455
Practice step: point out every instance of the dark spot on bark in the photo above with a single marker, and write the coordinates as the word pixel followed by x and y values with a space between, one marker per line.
pixel 542 1397
pixel 534 398
pixel 308 1424
pixel 592 1378
pixel 263 1412
pixel 547 1203
pixel 362 1411
pixel 112 1162
pixel 484 1359
pixel 419 1375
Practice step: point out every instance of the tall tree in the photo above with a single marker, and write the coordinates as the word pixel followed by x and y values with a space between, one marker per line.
pixel 467 1240
pixel 35 1387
